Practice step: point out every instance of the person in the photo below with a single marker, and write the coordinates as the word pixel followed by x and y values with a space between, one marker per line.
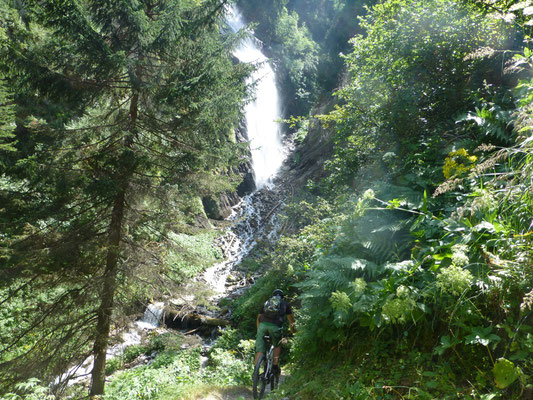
pixel 271 324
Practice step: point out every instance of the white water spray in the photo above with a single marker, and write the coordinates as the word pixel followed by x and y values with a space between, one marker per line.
pixel 152 316
pixel 151 320
pixel 262 114
pixel 236 242
pixel 268 153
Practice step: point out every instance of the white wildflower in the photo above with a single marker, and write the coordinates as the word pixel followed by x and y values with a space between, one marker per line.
pixel 369 194
pixel 402 291
pixel 454 280
pixel 459 257
pixel 397 310
pixel 359 286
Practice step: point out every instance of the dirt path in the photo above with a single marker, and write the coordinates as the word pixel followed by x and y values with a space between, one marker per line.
pixel 230 393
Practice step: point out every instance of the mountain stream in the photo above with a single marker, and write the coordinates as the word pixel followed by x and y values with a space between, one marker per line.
pixel 253 218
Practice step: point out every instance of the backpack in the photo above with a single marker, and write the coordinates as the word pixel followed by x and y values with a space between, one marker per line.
pixel 272 307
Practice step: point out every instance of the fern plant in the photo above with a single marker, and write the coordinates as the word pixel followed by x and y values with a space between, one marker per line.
pixel 357 276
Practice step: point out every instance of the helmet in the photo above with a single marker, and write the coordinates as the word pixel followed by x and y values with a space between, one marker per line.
pixel 277 292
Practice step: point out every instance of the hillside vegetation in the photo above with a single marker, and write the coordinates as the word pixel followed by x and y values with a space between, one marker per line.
pixel 412 260
pixel 408 258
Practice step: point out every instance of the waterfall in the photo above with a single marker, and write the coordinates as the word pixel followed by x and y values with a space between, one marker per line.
pixel 237 242
pixel 268 153
pixel 152 316
pixel 261 115
pixel 151 320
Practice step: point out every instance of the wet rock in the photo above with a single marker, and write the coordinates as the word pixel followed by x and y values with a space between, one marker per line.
pixel 220 208
pixel 247 185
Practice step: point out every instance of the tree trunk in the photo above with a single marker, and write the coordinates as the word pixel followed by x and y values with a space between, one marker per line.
pixel 110 275
pixel 201 324
pixel 107 296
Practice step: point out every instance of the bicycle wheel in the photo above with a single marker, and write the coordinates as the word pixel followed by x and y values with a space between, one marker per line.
pixel 274 381
pixel 258 378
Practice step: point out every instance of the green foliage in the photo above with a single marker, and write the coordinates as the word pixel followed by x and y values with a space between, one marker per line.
pixel 408 75
pixel 190 254
pixel 167 343
pixel 7 120
pixel 124 120
pixel 175 371
pixel 32 389
pixel 297 53
pixel 505 373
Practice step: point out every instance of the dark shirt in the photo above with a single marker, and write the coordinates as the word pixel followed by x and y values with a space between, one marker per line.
pixel 285 309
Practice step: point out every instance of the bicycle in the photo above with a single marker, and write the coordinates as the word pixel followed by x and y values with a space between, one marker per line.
pixel 263 374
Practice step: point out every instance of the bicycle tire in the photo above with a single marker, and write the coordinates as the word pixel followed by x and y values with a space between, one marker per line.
pixel 258 378
pixel 275 381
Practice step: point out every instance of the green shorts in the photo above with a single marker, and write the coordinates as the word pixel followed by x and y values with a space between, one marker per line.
pixel 267 328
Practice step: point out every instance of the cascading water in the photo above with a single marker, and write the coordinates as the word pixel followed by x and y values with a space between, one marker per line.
pixel 262 114
pixel 268 154
pixel 151 320
pixel 152 316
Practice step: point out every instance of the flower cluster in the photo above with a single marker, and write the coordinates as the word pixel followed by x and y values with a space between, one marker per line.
pixel 340 301
pixel 359 286
pixel 457 163
pixel 459 257
pixel 397 310
pixel 454 280
pixel 527 302
pixel 402 291
pixel 362 202
pixel 389 157
pixel 484 202
pixel 369 194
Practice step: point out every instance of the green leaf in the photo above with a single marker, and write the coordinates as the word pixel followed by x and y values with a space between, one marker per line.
pixel 432 384
pixel 445 343
pixel 424 308
pixel 482 336
pixel 485 226
pixel 505 373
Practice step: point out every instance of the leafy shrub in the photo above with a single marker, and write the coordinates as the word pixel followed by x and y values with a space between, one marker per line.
pixel 30 390
pixel 454 280
pixel 132 352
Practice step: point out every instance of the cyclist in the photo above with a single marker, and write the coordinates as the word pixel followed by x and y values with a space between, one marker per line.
pixel 269 322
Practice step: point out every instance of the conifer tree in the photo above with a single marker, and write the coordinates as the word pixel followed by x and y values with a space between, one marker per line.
pixel 122 104
pixel 6 101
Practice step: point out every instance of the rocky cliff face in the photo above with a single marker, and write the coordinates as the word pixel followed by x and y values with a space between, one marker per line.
pixel 307 160
pixel 220 208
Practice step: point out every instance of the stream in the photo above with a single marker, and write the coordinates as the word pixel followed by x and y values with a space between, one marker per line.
pixel 254 215
pixel 253 218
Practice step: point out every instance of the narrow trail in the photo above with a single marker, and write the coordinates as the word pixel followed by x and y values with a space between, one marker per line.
pixel 231 393
pixel 234 393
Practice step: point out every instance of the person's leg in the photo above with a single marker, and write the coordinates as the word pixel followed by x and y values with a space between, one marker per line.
pixel 259 342
pixel 276 337
pixel 277 352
